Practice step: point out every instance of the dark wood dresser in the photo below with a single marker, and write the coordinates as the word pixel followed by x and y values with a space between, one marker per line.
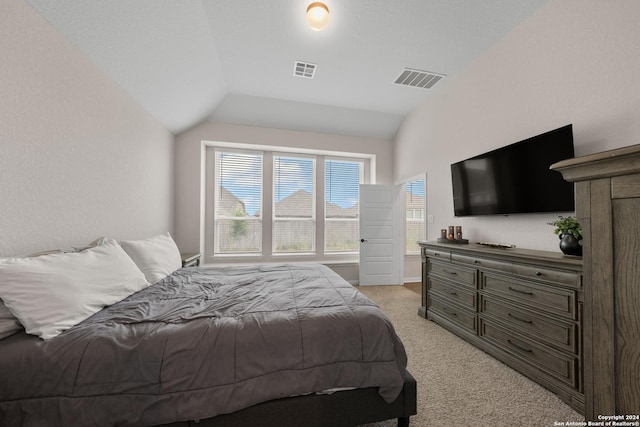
pixel 523 307
pixel 608 208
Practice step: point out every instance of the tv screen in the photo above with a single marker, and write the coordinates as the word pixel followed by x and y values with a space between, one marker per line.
pixel 516 178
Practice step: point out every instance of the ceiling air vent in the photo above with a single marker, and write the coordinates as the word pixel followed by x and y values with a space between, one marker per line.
pixel 304 69
pixel 417 78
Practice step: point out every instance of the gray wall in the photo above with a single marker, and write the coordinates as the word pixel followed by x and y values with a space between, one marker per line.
pixel 572 61
pixel 190 164
pixel 79 158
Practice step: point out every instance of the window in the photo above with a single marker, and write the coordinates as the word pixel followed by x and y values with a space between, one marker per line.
pixel 238 203
pixel 341 208
pixel 282 205
pixel 414 213
pixel 294 204
pixel 414 204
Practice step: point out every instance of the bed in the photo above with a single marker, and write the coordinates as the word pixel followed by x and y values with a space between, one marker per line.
pixel 266 345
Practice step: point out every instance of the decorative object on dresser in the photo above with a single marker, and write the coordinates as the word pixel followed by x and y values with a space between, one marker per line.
pixel 521 306
pixel 569 231
pixel 454 241
pixel 452 237
pixel 497 245
pixel 607 205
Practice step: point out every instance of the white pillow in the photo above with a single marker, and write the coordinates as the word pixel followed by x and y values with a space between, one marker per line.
pixel 51 293
pixel 157 256
pixel 9 325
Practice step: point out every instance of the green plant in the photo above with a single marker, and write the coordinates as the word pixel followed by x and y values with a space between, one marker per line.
pixel 567 226
pixel 239 227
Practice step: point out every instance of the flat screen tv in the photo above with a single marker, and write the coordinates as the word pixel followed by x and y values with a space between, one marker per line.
pixel 516 179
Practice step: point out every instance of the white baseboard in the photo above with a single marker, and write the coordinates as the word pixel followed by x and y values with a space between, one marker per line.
pixel 377 284
pixel 412 279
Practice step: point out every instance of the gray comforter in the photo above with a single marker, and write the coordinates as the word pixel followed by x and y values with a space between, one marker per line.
pixel 199 343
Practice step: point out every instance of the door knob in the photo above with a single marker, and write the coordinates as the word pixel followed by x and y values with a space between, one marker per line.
pixel 362 240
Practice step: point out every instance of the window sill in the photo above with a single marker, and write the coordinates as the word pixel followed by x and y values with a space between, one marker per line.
pixel 228 261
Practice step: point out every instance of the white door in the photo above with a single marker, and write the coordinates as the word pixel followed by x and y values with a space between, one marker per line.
pixel 380 240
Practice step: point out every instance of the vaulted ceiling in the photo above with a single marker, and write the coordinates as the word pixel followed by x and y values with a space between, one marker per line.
pixel 187 61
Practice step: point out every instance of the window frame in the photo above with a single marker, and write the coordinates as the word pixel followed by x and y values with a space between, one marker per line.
pixel 268 152
pixel 312 220
pixel 361 180
pixel 413 218
pixel 216 189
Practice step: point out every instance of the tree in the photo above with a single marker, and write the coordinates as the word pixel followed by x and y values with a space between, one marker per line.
pixel 239 227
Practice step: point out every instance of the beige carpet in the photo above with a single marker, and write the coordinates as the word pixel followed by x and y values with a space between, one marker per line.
pixel 459 385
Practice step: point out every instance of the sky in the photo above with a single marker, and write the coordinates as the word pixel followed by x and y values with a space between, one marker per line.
pixel 241 174
pixel 337 175
pixel 416 187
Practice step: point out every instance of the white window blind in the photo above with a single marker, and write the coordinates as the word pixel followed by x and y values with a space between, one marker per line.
pixel 294 201
pixel 238 203
pixel 341 207
pixel 414 204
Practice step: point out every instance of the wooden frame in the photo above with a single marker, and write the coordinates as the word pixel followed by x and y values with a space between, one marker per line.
pixel 607 202
pixel 341 409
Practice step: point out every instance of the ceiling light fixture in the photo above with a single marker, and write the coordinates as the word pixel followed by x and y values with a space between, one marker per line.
pixel 318 16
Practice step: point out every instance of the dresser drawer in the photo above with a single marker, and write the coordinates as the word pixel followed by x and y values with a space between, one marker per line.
pixel 453 313
pixel 559 365
pixel 556 333
pixel 460 274
pixel 434 253
pixel 561 277
pixel 450 292
pixel 506 267
pixel 524 307
pixel 534 295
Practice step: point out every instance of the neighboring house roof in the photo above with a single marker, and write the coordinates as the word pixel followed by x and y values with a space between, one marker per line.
pixel 229 203
pixel 335 211
pixel 297 204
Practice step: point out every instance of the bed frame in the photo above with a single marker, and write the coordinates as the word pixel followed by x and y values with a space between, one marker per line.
pixel 342 409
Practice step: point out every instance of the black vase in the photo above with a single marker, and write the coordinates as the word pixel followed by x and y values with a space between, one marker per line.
pixel 569 245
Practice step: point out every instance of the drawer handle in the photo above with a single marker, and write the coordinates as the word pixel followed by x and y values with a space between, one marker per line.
pixel 538 273
pixel 436 254
pixel 517 318
pixel 519 291
pixel 475 261
pixel 448 312
pixel 519 347
pixel 449 272
pixel 451 292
